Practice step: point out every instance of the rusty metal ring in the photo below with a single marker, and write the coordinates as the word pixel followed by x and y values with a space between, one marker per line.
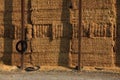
pixel 35 68
pixel 23 44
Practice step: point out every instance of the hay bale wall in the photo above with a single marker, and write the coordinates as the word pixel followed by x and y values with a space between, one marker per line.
pixel 53 37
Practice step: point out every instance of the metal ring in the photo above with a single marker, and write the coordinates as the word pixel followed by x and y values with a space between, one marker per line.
pixel 35 68
pixel 23 44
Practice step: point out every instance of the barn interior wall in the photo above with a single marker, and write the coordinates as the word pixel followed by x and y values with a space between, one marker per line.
pixel 52 32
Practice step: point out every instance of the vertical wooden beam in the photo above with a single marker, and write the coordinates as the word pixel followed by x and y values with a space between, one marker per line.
pixel 22 30
pixel 22 19
pixel 79 34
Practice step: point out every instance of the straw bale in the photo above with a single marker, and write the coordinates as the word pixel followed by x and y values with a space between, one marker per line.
pixel 40 16
pixel 93 4
pixel 51 4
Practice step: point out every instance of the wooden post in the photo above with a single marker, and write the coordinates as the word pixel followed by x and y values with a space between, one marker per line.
pixel 22 28
pixel 79 34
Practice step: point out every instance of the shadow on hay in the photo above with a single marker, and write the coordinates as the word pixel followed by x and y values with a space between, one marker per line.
pixel 117 55
pixel 67 34
pixel 8 32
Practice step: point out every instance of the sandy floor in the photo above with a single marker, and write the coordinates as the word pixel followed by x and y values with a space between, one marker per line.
pixel 8 68
pixel 59 73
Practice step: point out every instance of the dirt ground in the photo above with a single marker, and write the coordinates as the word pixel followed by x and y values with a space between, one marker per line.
pixel 58 73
